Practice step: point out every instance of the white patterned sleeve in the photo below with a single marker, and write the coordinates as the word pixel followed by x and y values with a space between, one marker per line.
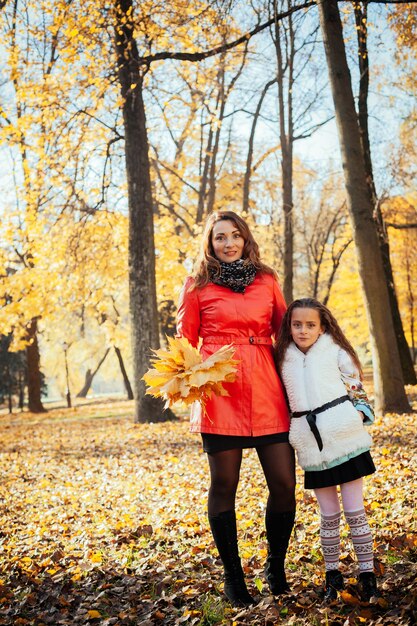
pixel 354 388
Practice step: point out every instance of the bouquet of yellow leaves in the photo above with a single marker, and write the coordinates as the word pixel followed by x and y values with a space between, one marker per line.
pixel 180 374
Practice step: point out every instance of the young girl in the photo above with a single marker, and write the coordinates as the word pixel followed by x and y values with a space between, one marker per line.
pixel 322 376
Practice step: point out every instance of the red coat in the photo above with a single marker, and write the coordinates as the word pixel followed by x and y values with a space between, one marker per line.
pixel 256 405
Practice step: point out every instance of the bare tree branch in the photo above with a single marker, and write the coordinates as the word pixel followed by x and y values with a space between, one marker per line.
pixel 310 131
pixel 401 226
pixel 199 56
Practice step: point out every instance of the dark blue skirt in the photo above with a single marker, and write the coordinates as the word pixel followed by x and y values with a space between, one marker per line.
pixel 361 465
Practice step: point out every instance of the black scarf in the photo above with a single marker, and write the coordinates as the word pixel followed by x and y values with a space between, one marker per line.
pixel 236 275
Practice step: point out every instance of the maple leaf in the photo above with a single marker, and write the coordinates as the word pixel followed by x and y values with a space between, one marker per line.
pixel 181 374
pixel 154 378
pixel 93 614
pixel 348 598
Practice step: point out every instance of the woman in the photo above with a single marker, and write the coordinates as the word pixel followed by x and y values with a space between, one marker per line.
pixel 234 298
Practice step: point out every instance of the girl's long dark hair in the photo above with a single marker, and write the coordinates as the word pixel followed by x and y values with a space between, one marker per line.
pixel 328 322
pixel 207 260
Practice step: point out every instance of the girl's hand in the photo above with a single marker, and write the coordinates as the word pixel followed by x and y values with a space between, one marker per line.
pixel 363 416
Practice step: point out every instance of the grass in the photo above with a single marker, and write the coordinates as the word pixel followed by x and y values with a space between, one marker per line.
pixel 212 610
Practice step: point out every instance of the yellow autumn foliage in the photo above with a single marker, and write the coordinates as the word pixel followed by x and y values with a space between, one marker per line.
pixel 181 374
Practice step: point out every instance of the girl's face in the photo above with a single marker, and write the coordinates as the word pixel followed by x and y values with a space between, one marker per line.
pixel 306 328
pixel 227 241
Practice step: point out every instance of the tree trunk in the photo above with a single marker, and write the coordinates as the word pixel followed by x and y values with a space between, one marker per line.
pixel 223 95
pixel 68 393
pixel 249 159
pixel 409 374
pixel 202 194
pixel 287 199
pixel 9 380
pixel 21 384
pixel 126 380
pixel 220 106
pixel 142 287
pixel 388 380
pixel 87 384
pixel 286 128
pixel 34 373
pixel 89 376
pixel 410 300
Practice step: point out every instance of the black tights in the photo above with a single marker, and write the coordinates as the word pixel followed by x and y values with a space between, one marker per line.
pixel 278 464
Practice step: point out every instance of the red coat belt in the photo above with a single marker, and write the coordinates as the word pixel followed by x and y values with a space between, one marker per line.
pixel 238 341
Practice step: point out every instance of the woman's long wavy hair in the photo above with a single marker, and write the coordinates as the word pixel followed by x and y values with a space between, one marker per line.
pixel 207 261
pixel 328 322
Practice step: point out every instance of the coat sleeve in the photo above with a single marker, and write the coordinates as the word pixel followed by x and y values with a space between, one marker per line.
pixel 279 308
pixel 188 316
pixel 356 392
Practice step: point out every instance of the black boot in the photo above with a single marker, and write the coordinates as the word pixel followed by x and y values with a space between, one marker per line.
pixel 369 589
pixel 223 527
pixel 334 583
pixel 279 526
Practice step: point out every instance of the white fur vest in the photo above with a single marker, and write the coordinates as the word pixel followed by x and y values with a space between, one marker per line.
pixel 311 380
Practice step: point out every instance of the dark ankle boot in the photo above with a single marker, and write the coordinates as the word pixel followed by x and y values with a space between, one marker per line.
pixel 334 583
pixel 367 581
pixel 279 526
pixel 223 527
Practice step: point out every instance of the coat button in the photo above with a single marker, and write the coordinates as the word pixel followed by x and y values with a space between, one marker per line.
pixel 251 339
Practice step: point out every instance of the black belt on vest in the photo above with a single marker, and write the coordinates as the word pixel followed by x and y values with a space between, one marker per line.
pixel 311 417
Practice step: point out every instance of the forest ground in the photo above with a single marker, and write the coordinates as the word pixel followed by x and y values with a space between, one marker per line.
pixel 103 521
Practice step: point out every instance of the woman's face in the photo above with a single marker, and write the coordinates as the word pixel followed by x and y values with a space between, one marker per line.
pixel 227 241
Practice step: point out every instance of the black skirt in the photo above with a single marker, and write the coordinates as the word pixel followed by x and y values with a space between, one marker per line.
pixel 221 443
pixel 361 465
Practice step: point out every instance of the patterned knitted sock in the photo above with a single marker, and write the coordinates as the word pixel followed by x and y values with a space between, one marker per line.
pixel 330 539
pixel 361 538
